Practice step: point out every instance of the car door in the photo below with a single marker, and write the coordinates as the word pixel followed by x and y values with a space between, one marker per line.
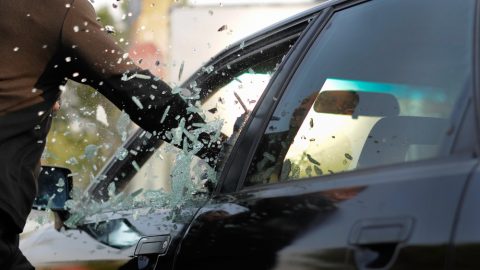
pixel 353 159
pixel 466 234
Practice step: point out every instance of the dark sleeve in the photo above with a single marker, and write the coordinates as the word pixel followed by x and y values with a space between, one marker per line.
pixel 92 57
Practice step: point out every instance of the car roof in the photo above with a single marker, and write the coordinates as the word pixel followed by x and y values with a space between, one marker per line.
pixel 276 26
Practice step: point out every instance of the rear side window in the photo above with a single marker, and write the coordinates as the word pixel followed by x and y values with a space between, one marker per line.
pixel 380 85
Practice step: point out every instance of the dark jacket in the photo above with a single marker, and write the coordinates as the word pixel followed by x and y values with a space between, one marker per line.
pixel 41 46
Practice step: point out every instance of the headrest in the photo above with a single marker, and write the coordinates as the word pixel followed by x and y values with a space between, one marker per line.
pixel 356 103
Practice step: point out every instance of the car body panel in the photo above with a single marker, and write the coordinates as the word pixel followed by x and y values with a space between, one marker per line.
pixel 309 223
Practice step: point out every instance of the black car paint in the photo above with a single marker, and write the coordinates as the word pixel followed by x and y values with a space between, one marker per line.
pixel 312 221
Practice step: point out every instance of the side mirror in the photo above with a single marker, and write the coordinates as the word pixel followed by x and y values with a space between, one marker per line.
pixel 54 186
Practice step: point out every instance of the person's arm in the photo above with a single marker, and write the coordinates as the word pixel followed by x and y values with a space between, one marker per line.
pixel 92 57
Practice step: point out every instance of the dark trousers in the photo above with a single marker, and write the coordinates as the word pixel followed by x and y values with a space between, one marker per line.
pixel 10 255
pixel 22 140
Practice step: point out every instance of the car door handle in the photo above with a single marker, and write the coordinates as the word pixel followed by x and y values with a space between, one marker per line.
pixel 152 245
pixel 376 241
pixel 148 248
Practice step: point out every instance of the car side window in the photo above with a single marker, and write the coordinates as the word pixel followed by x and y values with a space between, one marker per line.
pixel 232 101
pixel 374 89
pixel 233 92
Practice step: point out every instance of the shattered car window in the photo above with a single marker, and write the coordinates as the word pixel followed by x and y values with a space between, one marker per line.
pixel 225 110
pixel 155 174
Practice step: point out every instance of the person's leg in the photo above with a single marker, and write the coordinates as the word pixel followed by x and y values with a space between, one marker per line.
pixel 19 261
pixel 11 258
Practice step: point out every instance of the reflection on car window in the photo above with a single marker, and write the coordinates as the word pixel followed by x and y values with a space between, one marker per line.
pixel 369 93
pixel 236 98
pixel 343 127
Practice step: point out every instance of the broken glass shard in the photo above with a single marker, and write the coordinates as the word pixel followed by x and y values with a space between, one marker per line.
pixel 312 160
pixel 90 151
pixel 111 189
pixel 121 154
pixel 181 70
pixel 101 115
pixel 60 183
pixel 122 124
pixel 165 113
pixel 110 29
pixel 269 156
pixel 136 75
pixel 137 102
pixel 135 165
pixel 208 69
pixel 72 161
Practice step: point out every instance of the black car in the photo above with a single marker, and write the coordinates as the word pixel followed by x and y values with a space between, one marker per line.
pixel 361 152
